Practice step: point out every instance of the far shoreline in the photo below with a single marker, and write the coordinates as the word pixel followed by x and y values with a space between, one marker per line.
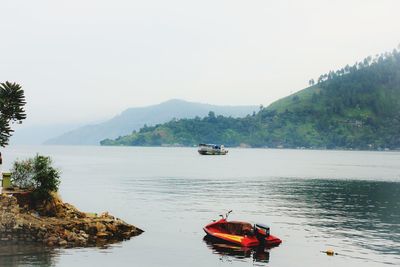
pixel 260 148
pixel 195 146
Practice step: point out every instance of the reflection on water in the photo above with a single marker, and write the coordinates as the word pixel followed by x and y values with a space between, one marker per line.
pixel 257 254
pixel 364 214
pixel 360 218
pixel 27 254
pixel 353 208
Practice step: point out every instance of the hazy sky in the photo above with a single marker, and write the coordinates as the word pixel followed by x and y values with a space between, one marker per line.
pixel 85 60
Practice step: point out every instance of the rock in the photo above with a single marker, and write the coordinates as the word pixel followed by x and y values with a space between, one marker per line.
pixel 104 214
pixel 55 223
pixel 52 239
pixel 100 227
pixel 103 235
pixel 112 228
pixel 62 243
pixel 84 235
pixel 92 228
pixel 71 236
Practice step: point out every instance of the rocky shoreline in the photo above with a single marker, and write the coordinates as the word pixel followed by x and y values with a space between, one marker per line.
pixel 58 224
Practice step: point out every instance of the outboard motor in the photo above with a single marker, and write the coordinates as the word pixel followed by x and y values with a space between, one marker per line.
pixel 261 231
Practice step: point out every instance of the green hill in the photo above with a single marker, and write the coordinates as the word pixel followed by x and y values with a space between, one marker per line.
pixel 356 107
pixel 134 118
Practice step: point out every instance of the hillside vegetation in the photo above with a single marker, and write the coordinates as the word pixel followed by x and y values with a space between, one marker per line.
pixel 134 119
pixel 356 107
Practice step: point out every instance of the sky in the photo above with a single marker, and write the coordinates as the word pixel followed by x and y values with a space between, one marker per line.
pixel 85 61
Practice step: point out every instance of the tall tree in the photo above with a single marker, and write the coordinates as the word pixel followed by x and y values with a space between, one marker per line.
pixel 12 102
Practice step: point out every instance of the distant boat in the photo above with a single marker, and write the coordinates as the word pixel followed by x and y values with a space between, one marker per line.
pixel 211 149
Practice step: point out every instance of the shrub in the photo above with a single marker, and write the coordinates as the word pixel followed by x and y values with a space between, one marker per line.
pixel 22 174
pixel 36 174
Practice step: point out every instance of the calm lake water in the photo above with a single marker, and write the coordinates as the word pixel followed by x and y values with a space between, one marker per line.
pixel 313 200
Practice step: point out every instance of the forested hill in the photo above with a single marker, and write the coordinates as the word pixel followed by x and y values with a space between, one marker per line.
pixel 134 118
pixel 356 107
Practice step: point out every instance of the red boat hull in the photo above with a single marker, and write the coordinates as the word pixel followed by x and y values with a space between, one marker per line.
pixel 238 233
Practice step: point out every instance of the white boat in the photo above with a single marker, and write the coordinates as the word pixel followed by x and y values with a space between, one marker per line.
pixel 211 149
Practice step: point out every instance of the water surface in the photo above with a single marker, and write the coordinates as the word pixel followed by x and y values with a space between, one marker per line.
pixel 314 200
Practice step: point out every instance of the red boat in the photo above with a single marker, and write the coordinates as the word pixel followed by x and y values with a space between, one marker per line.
pixel 241 233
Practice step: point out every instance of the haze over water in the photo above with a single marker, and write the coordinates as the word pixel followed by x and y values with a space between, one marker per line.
pixel 313 200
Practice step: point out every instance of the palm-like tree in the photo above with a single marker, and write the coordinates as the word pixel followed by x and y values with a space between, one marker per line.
pixel 12 102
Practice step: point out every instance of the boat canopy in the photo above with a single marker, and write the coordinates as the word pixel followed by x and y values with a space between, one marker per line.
pixel 211 145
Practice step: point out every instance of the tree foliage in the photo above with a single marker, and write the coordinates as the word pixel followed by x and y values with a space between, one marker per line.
pixel 12 102
pixel 36 174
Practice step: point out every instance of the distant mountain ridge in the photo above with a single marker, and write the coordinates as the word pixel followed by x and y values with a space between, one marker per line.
pixel 135 118
pixel 355 107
